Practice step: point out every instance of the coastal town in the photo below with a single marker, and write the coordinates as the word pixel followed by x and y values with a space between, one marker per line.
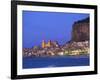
pixel 52 48
pixel 78 45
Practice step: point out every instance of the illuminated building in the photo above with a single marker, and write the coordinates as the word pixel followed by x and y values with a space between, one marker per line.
pixel 44 44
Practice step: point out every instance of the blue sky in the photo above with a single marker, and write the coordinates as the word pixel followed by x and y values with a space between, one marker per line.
pixel 54 26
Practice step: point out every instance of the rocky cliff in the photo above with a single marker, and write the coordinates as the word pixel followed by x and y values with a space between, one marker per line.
pixel 80 30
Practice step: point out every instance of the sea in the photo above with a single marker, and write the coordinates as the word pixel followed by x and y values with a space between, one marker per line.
pixel 55 61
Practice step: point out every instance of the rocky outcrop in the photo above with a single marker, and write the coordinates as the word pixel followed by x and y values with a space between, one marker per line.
pixel 80 30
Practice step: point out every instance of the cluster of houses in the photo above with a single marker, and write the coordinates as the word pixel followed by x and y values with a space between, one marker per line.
pixel 52 48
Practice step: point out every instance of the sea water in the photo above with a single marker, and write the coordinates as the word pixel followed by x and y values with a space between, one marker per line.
pixel 55 61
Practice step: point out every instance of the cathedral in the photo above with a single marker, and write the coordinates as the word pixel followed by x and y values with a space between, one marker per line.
pixel 49 44
pixel 44 44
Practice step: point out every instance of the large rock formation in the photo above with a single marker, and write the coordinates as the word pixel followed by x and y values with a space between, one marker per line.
pixel 80 30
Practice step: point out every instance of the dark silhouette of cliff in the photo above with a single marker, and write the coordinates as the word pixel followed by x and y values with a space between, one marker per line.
pixel 80 30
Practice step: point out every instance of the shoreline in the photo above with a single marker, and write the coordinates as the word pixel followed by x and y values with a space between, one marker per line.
pixel 86 55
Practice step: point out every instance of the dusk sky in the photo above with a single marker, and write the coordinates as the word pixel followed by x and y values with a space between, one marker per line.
pixel 54 26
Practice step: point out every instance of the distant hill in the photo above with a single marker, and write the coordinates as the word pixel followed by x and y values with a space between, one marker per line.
pixel 80 30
